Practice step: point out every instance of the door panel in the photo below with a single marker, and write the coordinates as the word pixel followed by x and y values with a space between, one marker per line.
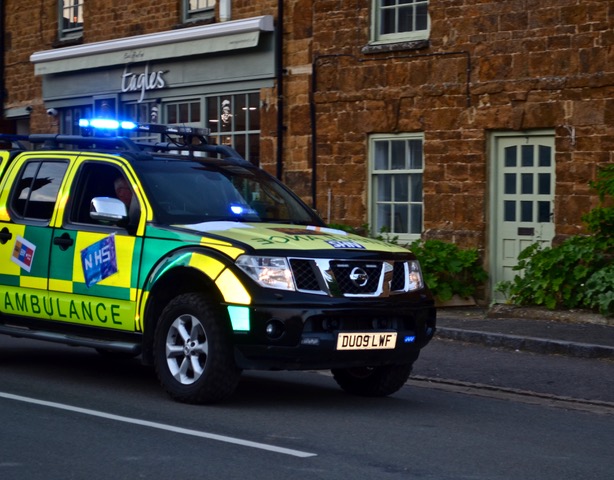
pixel 524 179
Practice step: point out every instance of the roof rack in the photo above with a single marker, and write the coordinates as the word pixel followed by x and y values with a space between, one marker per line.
pixel 173 139
pixel 9 141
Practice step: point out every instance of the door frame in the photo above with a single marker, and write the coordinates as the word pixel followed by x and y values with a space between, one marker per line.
pixel 493 171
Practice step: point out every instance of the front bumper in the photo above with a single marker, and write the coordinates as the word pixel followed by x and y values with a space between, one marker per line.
pixel 306 338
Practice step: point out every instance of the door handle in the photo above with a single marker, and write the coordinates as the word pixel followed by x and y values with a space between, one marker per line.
pixel 5 235
pixel 63 241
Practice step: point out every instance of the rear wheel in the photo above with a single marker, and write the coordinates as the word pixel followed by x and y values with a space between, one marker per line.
pixel 193 355
pixel 372 381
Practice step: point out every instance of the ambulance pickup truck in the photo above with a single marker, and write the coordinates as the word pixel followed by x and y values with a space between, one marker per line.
pixel 183 253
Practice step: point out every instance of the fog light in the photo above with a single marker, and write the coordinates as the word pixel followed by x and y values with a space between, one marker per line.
pixel 274 329
pixel 330 324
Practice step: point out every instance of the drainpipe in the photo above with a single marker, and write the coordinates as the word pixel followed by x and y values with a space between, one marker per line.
pixel 279 51
pixel 2 37
pixel 225 10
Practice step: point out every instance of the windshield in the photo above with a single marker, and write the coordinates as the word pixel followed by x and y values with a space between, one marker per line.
pixel 184 192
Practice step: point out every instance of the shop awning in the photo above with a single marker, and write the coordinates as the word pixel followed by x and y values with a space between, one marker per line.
pixel 218 37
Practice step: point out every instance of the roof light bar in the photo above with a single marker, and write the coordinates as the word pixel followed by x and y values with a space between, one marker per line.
pixel 110 124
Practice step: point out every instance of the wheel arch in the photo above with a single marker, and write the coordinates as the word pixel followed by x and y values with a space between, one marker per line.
pixel 173 282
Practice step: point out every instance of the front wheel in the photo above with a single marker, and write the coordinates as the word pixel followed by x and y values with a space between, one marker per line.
pixel 372 381
pixel 193 355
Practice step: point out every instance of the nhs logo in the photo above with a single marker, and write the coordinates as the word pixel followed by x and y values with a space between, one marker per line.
pixel 99 260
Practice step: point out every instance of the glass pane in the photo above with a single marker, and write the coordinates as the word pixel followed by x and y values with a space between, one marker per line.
pixel 398 157
pixel 384 188
pixel 381 155
pixel 401 214
pixel 195 112
pixel 543 180
pixel 183 116
pixel 406 19
pixel 213 121
pixel 241 112
pixel 526 180
pixel 543 212
pixel 415 154
pixel 226 115
pixel 254 112
pixel 527 156
pixel 401 188
pixel 545 156
pixel 510 183
pixel 387 24
pixel 416 188
pixel 526 211
pixel 422 17
pixel 171 114
pixel 254 149
pixel 509 211
pixel 415 219
pixel 510 157
pixel 239 145
pixel 383 217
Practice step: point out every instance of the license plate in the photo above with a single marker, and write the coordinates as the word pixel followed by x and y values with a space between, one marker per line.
pixel 367 341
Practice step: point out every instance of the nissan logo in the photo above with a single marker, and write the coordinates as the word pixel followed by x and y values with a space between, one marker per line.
pixel 359 277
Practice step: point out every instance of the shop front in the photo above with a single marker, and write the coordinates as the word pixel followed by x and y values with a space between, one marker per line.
pixel 207 76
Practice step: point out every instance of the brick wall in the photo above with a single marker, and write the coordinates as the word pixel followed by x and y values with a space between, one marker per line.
pixel 532 66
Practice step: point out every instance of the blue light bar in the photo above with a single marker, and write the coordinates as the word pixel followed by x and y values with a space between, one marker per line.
pixel 106 124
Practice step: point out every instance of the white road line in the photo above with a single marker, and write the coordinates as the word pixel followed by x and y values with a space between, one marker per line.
pixel 159 426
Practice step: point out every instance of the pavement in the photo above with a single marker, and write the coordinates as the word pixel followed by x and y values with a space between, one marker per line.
pixel 571 333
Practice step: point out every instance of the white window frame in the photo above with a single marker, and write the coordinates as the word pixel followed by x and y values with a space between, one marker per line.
pixel 414 166
pixel 234 120
pixel 395 37
pixel 66 32
pixel 194 10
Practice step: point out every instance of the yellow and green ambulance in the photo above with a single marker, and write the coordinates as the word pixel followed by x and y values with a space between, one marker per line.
pixel 190 257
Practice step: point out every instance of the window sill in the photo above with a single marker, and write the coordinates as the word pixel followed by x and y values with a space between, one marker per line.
pixel 68 42
pixel 396 46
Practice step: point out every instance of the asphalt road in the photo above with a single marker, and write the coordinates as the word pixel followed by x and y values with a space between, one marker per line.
pixel 68 413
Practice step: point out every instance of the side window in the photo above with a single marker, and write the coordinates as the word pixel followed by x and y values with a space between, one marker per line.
pixel 198 9
pixel 399 21
pixel 396 170
pixel 98 179
pixel 70 19
pixel 36 190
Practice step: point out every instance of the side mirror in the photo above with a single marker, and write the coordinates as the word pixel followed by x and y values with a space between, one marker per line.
pixel 107 209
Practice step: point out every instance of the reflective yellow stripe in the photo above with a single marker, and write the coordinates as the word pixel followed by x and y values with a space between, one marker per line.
pixel 33 282
pixel 207 265
pixel 232 289
pixel 60 285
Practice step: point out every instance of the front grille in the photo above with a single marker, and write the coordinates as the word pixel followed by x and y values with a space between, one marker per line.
pixel 305 274
pixel 347 278
pixel 357 278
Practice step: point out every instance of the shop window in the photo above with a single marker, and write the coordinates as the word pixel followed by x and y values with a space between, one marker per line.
pixel 396 198
pixel 70 19
pixel 198 9
pixel 142 113
pixel 235 120
pixel 69 118
pixel 400 20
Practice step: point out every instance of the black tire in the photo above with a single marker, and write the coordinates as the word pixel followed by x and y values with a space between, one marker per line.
pixel 193 354
pixel 372 381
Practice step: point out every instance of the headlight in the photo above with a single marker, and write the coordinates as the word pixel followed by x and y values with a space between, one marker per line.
pixel 414 276
pixel 270 272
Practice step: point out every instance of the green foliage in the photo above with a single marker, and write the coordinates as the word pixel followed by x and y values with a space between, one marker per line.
pixel 578 273
pixel 449 270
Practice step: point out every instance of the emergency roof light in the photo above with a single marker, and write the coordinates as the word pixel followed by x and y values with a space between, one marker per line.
pixel 110 124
